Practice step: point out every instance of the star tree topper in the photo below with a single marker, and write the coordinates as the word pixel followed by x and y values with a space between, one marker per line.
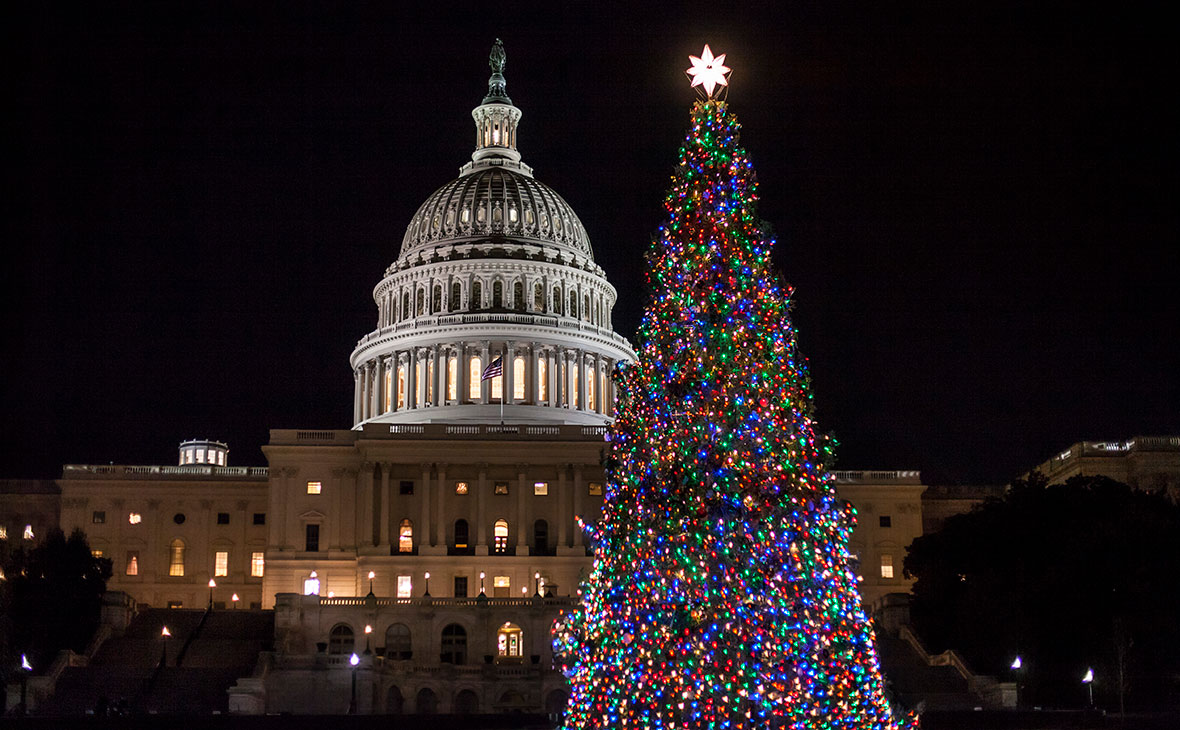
pixel 708 71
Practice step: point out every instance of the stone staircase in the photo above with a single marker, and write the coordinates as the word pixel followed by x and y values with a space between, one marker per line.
pixel 206 654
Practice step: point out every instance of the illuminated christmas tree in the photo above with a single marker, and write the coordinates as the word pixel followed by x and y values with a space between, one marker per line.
pixel 721 595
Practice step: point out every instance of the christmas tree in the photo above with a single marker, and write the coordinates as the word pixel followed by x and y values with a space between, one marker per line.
pixel 721 594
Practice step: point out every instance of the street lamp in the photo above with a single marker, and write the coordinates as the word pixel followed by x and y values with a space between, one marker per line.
pixel 24 683
pixel 368 631
pixel 372 575
pixel 1017 665
pixel 235 599
pixel 537 584
pixel 165 634
pixel 353 660
pixel 1088 680
pixel 481 577
pixel 427 576
pixel 212 585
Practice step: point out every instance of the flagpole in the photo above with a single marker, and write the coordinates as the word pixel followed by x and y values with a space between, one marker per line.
pixel 502 384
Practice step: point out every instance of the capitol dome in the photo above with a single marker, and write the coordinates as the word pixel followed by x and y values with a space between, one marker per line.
pixel 494 309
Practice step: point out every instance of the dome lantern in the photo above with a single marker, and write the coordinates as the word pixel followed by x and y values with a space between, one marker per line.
pixel 495 121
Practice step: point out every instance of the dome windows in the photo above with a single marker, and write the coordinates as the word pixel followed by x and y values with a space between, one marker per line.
pixel 528 217
pixel 465 216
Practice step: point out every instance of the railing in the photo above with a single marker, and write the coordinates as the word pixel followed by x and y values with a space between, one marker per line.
pixel 354 601
pixel 430 321
pixel 913 477
pixel 188 470
pixel 985 687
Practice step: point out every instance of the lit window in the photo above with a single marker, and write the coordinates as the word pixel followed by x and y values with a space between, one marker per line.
pixel 257 564
pixel 502 586
pixel 518 378
pixel 98 517
pixel 3 532
pixel 221 458
pixel 452 378
pixel 501 536
pixel 311 585
pixel 509 640
pixel 501 488
pixel 543 378
pixel 404 586
pixel 540 487
pixel 429 381
pixel 401 387
pixel 96 553
pixel 314 487
pixel 595 489
pixel 460 487
pixel 886 566
pixel 200 456
pixel 220 563
pixel 474 370
pixel 134 518
pixel 132 567
pixel 886 521
pixel 28 532
pixel 461 533
pixel 387 402
pixel 497 384
pixel 590 389
pixel 405 537
pixel 176 558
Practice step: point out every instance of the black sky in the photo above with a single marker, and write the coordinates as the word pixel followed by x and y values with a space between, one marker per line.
pixel 971 199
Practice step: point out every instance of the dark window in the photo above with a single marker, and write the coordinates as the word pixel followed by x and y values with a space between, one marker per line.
pixel 313 539
pixel 454 645
pixel 501 488
pixel 98 517
pixel 223 518
pixel 460 586
pixel 341 640
pixel 405 488
pixel 886 521
pixel 461 533
pixel 397 642
pixel 178 518
pixel 541 537
pixel 260 518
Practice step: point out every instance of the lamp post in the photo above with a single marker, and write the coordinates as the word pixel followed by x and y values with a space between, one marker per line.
pixel 212 585
pixel 27 669
pixel 537 584
pixel 372 575
pixel 368 632
pixel 165 634
pixel 1017 666
pixel 1088 680
pixel 427 576
pixel 353 660
pixel 235 599
pixel 481 577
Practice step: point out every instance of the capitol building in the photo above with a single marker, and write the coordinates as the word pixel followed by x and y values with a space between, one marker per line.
pixel 438 537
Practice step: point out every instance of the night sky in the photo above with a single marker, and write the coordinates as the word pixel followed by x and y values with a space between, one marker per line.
pixel 971 200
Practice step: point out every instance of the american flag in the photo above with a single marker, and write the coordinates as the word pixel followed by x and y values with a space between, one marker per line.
pixel 495 369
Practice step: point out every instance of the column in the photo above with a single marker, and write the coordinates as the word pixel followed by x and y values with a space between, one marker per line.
pixel 571 374
pixel 424 534
pixel 564 510
pixel 366 389
pixel 558 377
pixel 438 536
pixel 364 512
pixel 379 388
pixel 598 399
pixel 335 520
pixel 485 386
pixel 551 377
pixel 579 504
pixel 384 512
pixel 522 529
pixel 509 379
pixel 423 377
pixel 461 370
pixel 440 377
pixel 276 488
pixel 481 527
pixel 351 505
pixel 412 378
pixel 356 396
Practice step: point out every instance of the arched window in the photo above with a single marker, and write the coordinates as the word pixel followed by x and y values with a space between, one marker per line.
pixel 461 533
pixel 573 304
pixel 591 387
pixel 436 300
pixel 341 640
pixel 497 294
pixel 429 368
pixel 540 537
pixel 397 642
pixel 405 537
pixel 510 641
pixel 427 702
pixel 454 645
pixel 500 531
pixel 456 292
pixel 401 387
pixel 474 370
pixel 556 300
pixel 420 306
pixel 476 296
pixel 405 306
pixel 586 307
pixel 176 557
pixel 543 378
pixel 395 702
pixel 539 298
pixel 518 296
pixel 452 377
pixel 388 396
pixel 518 378
pixel 467 703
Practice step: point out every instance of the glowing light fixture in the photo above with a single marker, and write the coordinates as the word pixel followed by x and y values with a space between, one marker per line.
pixel 708 71
pixel 1089 676
pixel 1016 663
pixel 24 663
pixel 165 633
pixel 354 659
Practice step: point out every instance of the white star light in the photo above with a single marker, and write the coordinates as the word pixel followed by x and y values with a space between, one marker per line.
pixel 708 71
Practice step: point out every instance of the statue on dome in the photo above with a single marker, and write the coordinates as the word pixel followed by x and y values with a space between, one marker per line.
pixel 497 57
